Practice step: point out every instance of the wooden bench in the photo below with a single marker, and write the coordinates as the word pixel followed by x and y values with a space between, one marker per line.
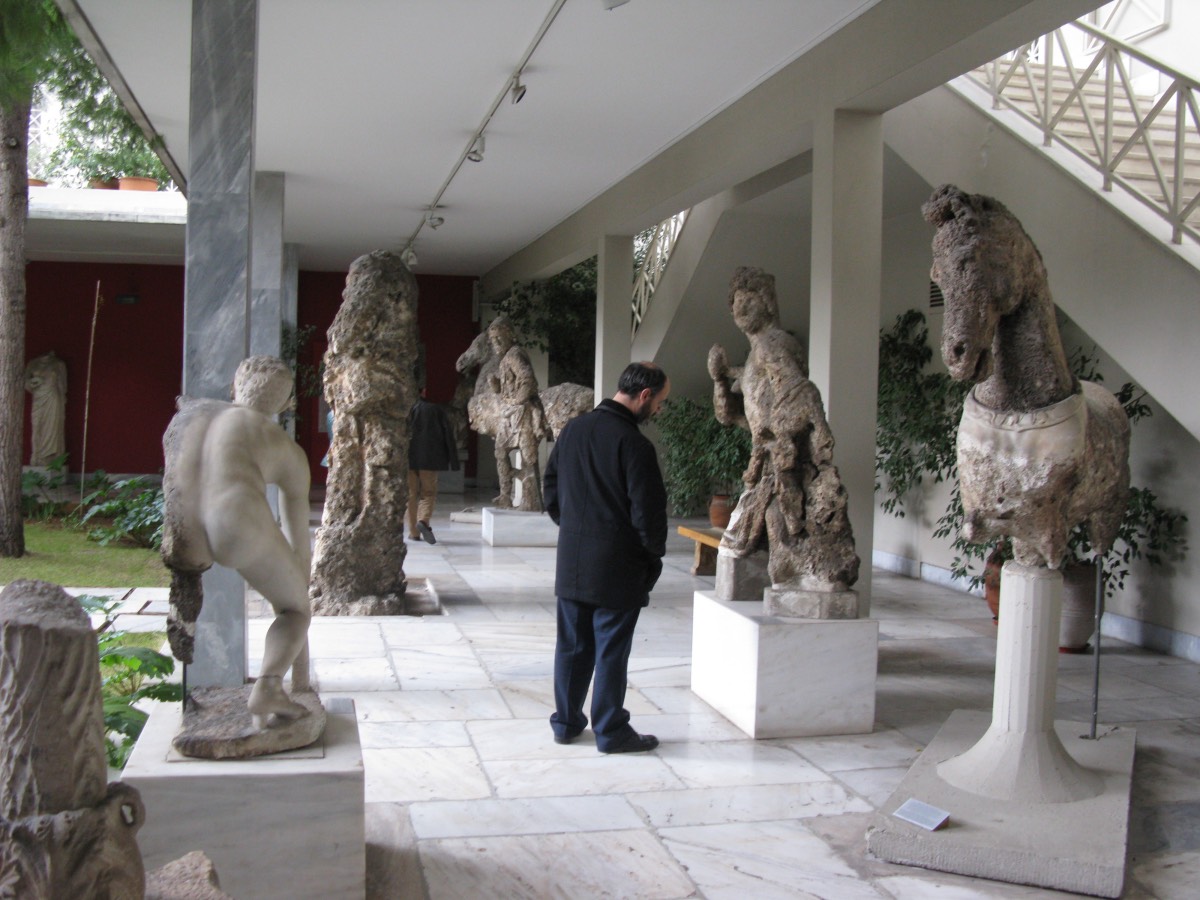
pixel 707 540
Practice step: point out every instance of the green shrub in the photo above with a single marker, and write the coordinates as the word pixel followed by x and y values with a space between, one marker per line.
pixel 134 506
pixel 700 455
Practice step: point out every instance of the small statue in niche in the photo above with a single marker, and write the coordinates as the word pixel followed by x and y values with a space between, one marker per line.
pixel 794 503
pixel 220 457
pixel 509 410
pixel 1039 451
pixel 46 380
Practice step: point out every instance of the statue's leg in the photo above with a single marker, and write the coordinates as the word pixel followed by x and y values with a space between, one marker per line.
pixel 505 472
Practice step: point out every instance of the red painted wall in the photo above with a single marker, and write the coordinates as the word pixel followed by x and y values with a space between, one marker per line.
pixel 136 369
pixel 137 364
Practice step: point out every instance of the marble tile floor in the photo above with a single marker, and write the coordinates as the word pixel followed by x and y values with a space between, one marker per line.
pixel 467 795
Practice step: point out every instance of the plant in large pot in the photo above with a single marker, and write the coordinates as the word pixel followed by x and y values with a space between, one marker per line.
pixel 99 141
pixel 702 459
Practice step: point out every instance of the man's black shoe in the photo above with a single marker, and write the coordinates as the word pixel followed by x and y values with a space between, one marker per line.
pixel 565 738
pixel 635 743
pixel 426 533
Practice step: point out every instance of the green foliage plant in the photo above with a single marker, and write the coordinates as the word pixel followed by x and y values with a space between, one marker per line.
pixel 134 506
pixel 131 671
pixel 918 413
pixel 40 490
pixel 700 456
pixel 558 316
pixel 98 138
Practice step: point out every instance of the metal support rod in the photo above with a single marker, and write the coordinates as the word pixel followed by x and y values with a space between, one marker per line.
pixel 1096 652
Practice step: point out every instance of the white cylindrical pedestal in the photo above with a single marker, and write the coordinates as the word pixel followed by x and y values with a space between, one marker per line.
pixel 1020 756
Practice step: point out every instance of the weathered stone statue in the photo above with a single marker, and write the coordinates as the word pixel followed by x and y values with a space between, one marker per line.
pixel 64 831
pixel 561 402
pixel 510 411
pixel 46 380
pixel 220 457
pixel 1038 450
pixel 794 503
pixel 358 564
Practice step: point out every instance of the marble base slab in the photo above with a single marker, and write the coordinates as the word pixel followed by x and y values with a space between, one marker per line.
pixel 517 528
pixel 284 826
pixel 810 604
pixel 1078 846
pixel 774 677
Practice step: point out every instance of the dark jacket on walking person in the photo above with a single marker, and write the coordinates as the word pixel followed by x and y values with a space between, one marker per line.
pixel 604 489
pixel 431 443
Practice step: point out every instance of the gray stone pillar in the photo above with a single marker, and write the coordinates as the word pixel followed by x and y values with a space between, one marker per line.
pixel 847 217
pixel 267 266
pixel 614 317
pixel 216 304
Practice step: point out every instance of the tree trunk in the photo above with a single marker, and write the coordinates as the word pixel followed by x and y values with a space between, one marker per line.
pixel 14 209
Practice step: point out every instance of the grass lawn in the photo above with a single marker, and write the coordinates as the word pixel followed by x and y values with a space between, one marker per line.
pixel 66 557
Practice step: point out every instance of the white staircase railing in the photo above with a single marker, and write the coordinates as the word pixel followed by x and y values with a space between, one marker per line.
pixel 660 242
pixel 1075 84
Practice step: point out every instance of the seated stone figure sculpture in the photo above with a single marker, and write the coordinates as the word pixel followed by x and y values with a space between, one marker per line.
pixel 794 502
pixel 220 457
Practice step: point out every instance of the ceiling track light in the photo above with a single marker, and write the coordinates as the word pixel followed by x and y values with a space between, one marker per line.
pixel 475 154
pixel 613 4
pixel 518 90
pixel 433 219
pixel 409 257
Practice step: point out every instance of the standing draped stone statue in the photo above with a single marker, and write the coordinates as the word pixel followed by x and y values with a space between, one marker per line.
pixel 507 407
pixel 358 564
pixel 794 503
pixel 46 380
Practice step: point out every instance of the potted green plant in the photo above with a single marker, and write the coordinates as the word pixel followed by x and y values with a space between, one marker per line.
pixel 702 458
pixel 99 141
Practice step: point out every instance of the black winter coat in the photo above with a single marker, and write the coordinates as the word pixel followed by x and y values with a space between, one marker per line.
pixel 604 489
pixel 431 442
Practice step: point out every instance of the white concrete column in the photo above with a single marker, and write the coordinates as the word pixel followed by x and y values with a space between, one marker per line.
pixel 1020 757
pixel 847 216
pixel 614 316
pixel 217 274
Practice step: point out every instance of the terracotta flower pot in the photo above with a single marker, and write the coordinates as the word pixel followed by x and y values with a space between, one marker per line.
pixel 37 182
pixel 103 184
pixel 720 508
pixel 137 183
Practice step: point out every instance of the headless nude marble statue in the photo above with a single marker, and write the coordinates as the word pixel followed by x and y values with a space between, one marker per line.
pixel 220 457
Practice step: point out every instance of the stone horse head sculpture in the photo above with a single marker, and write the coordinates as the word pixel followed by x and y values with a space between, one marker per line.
pixel 1038 450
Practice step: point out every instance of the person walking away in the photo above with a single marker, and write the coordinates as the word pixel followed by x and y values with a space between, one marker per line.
pixel 431 449
pixel 604 489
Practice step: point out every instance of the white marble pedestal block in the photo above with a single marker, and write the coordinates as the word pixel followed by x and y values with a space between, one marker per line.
pixel 741 577
pixel 1031 800
pixel 518 528
pixel 775 677
pixel 286 826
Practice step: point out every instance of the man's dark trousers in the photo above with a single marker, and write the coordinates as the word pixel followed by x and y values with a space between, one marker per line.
pixel 591 638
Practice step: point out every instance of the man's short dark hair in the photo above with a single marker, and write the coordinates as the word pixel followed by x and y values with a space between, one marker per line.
pixel 641 375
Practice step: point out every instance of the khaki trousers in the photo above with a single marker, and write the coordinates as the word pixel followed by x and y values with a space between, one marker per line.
pixel 422 492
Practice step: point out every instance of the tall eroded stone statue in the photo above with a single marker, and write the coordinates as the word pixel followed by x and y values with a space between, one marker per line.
pixel 46 380
pixel 358 564
pixel 794 503
pixel 64 830
pixel 220 457
pixel 509 410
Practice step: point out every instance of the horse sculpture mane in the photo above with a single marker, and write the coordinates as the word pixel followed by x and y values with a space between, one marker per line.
pixel 1038 450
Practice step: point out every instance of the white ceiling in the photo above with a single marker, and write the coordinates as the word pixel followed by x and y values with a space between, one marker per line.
pixel 367 105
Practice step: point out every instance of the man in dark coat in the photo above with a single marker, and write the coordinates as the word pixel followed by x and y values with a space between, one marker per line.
pixel 604 489
pixel 431 449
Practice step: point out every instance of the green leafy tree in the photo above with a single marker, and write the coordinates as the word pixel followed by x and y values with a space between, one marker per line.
pixel 33 36
pixel 558 316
